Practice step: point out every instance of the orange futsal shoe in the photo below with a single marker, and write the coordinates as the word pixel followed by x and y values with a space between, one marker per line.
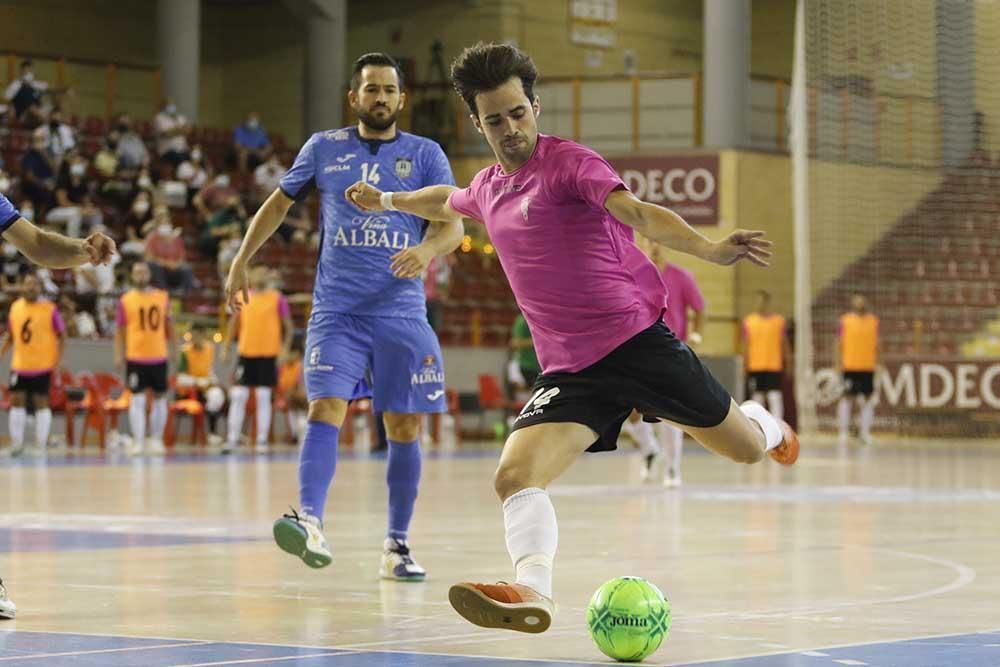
pixel 788 451
pixel 502 605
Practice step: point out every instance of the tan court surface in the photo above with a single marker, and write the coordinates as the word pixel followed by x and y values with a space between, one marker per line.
pixel 872 545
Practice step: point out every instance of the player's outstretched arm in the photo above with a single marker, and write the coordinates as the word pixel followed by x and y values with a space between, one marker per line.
pixel 267 219
pixel 56 251
pixel 667 228
pixel 430 203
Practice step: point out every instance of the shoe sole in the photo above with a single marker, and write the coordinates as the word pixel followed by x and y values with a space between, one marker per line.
pixel 7 613
pixel 479 609
pixel 789 449
pixel 292 539
pixel 417 578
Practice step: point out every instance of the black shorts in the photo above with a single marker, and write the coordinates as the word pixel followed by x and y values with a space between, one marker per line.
pixel 652 372
pixel 859 383
pixel 30 384
pixel 140 377
pixel 257 371
pixel 764 381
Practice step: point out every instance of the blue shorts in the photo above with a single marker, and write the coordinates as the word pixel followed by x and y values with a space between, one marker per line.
pixel 399 358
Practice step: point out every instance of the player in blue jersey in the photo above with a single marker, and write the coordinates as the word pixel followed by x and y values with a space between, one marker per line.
pixel 54 251
pixel 369 314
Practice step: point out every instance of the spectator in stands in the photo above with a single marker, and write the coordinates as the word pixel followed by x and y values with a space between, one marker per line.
pixel 165 253
pixel 79 323
pixel 251 142
pixel 25 95
pixel 227 223
pixel 97 283
pixel 132 151
pixel 74 203
pixel 61 137
pixel 138 222
pixel 15 267
pixel 213 197
pixel 38 174
pixel 266 178
pixel 106 160
pixel 192 172
pixel 6 184
pixel 171 134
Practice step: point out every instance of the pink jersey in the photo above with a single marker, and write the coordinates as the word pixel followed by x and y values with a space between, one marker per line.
pixel 578 277
pixel 682 293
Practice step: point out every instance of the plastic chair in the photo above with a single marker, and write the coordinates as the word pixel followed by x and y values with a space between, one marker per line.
pixel 185 403
pixel 106 399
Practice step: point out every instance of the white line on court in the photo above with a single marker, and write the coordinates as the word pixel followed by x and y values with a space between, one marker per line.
pixel 36 656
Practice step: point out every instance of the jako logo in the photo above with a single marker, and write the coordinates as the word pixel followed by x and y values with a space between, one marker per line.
pixel 675 185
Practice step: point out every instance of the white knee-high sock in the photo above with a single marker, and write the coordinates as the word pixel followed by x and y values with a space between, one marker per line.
pixel 643 432
pixel 776 403
pixel 158 417
pixel 137 417
pixel 844 416
pixel 532 537
pixel 672 439
pixel 15 421
pixel 768 424
pixel 867 415
pixel 43 424
pixel 238 397
pixel 263 395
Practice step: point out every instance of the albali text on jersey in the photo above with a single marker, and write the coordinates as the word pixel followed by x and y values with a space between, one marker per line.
pixel 353 274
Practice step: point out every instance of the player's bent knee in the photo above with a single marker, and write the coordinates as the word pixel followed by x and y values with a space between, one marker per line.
pixel 747 455
pixel 329 410
pixel 509 479
pixel 402 427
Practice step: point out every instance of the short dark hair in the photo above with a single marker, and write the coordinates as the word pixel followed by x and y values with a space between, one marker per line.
pixel 484 67
pixel 376 59
pixel 27 63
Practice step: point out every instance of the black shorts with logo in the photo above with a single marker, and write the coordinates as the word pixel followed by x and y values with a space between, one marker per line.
pixel 764 381
pixel 257 371
pixel 30 384
pixel 859 383
pixel 140 377
pixel 652 372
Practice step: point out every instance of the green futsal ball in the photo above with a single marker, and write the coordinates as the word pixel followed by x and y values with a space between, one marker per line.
pixel 628 618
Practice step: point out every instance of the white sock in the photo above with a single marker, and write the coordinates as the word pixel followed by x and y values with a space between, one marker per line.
pixel 263 395
pixel 137 417
pixel 15 421
pixel 867 415
pixel 767 423
pixel 844 416
pixel 776 403
pixel 643 432
pixel 158 417
pixel 673 441
pixel 238 397
pixel 43 424
pixel 532 537
pixel 758 396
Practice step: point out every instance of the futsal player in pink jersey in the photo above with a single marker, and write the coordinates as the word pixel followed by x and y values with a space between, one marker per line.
pixel 563 225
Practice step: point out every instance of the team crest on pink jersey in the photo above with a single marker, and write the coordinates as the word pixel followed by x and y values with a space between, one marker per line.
pixel 525 203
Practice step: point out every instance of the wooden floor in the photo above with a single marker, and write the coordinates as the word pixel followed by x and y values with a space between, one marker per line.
pixel 170 562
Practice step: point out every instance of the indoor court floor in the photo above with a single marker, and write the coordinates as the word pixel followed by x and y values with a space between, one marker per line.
pixel 883 556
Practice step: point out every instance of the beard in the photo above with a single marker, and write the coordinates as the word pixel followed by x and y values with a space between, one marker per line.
pixel 377 123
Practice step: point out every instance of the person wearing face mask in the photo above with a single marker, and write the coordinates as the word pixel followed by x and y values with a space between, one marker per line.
pixel 165 253
pixel 25 95
pixel 215 195
pixel 60 136
pixel 38 173
pixel 106 160
pixel 171 134
pixel 73 197
pixel 226 223
pixel 132 152
pixel 251 142
pixel 267 177
pixel 192 172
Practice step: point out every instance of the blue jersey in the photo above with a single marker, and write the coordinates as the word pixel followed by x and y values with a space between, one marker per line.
pixel 353 275
pixel 8 214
